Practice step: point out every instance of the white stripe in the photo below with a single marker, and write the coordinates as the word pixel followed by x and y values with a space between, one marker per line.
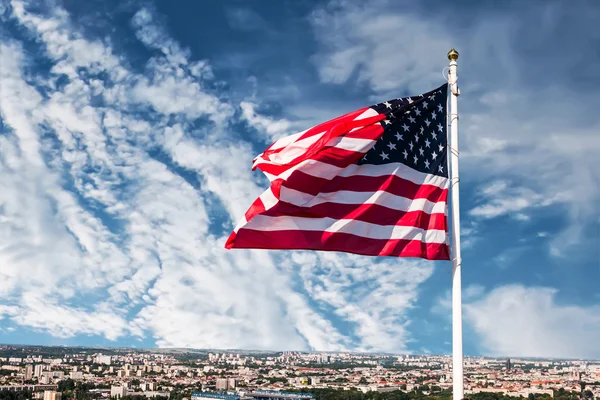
pixel 351 226
pixel 380 197
pixel 268 199
pixel 290 152
pixel 328 171
pixel 369 112
pixel 292 147
pixel 284 141
pixel 352 144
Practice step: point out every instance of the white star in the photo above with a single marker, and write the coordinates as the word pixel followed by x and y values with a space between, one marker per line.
pixel 398 136
pixel 434 135
pixel 428 122
pixel 417 111
pixel 426 164
pixel 440 108
pixel 409 100
pixel 432 97
pixel 391 115
pixel 411 119
pixel 405 153
pixel 421 151
pixel 425 104
pixel 416 159
pixel 405 127
pixel 433 155
pixel 384 155
pixel 427 142
pixel 387 121
pixel 388 105
pixel 417 139
pixel 440 127
pixel 392 146
pixel 433 115
pixel 422 130
pixel 441 148
pixel 411 145
pixel 440 169
pixel 365 158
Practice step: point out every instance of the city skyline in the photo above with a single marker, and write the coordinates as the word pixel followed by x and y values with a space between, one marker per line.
pixel 127 134
pixel 63 372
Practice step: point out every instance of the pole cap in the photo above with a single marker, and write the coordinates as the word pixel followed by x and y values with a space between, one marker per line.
pixel 453 55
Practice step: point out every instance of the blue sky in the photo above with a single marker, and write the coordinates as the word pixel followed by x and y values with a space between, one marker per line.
pixel 126 139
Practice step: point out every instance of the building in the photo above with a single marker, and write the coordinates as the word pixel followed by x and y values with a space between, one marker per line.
pixel 280 395
pixel 151 394
pixel 118 391
pixel 221 384
pixel 52 395
pixel 100 359
pixel 37 371
pixel 213 396
pixel 28 372
pixel 76 375
pixel 30 388
pixel 508 365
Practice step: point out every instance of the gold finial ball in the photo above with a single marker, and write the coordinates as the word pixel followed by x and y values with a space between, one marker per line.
pixel 453 55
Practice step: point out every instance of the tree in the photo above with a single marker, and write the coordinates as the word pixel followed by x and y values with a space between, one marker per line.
pixel 363 381
pixel 66 385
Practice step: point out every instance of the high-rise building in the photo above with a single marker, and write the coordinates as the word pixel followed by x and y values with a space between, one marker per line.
pixel 28 372
pixel 221 384
pixel 231 383
pixel 117 391
pixel 76 375
pixel 52 395
pixel 38 369
pixel 508 365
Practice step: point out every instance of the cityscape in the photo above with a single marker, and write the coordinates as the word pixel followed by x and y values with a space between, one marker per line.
pixel 61 373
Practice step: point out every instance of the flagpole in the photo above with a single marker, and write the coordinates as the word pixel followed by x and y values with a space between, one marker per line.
pixel 457 342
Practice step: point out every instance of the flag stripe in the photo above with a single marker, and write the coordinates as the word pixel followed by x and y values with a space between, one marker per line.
pixel 336 155
pixel 349 243
pixel 357 198
pixel 372 213
pixel 359 228
pixel 390 183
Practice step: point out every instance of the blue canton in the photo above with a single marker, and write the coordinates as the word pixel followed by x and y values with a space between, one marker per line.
pixel 414 133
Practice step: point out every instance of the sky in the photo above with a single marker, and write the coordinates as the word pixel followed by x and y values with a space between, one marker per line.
pixel 127 133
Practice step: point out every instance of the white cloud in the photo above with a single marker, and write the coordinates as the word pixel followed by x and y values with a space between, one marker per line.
pixel 387 50
pixel 91 208
pixel 273 128
pixel 500 198
pixel 515 320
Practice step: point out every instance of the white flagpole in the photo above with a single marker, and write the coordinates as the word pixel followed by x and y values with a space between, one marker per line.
pixel 457 342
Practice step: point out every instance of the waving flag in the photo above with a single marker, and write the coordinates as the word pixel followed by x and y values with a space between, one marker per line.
pixel 371 182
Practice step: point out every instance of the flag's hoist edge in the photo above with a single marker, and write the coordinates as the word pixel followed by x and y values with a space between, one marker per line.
pixel 324 195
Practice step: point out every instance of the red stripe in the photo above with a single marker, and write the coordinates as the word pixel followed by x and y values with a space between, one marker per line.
pixel 327 241
pixel 372 213
pixel 324 127
pixel 327 154
pixel 256 208
pixel 393 184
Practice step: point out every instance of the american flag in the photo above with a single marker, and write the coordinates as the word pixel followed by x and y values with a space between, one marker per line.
pixel 371 182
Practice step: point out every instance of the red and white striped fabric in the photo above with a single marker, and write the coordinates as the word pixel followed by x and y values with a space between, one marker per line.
pixel 325 194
